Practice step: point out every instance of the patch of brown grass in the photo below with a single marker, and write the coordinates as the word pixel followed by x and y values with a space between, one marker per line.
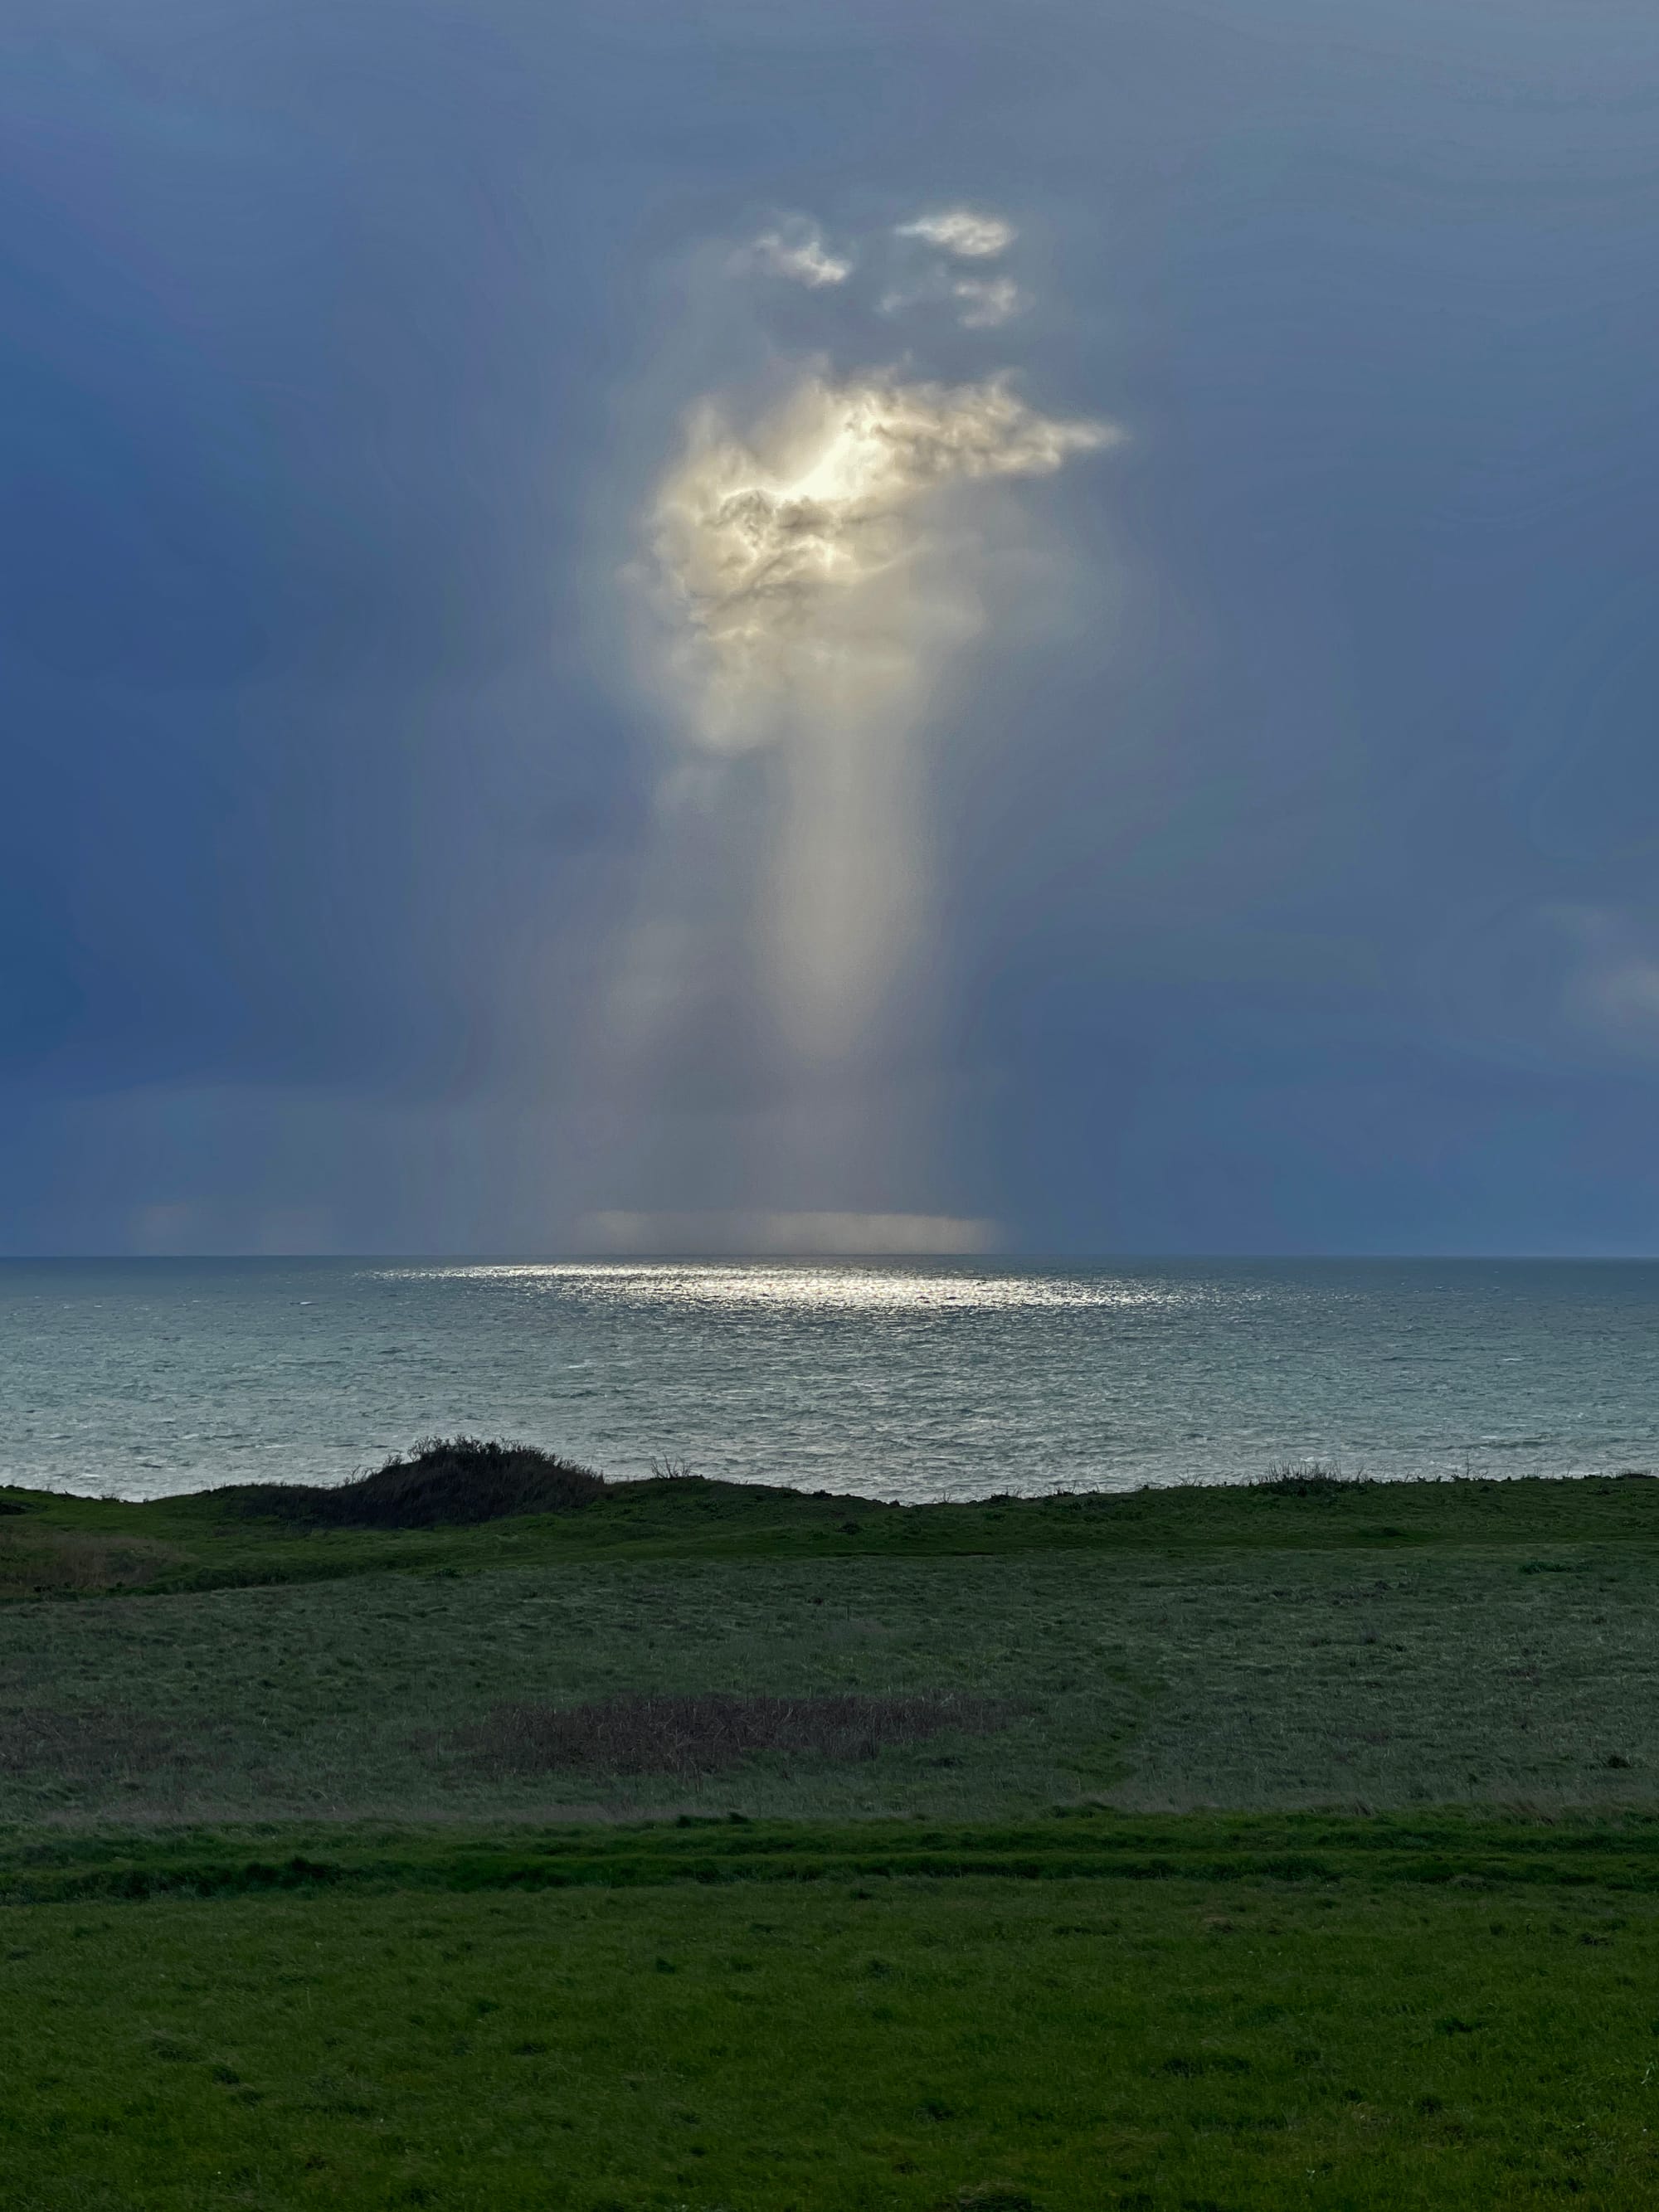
pixel 51 1562
pixel 713 1732
pixel 94 1743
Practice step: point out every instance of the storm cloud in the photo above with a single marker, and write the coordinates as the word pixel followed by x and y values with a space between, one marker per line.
pixel 1000 614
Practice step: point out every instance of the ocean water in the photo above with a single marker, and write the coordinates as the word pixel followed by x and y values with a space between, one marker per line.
pixel 886 1378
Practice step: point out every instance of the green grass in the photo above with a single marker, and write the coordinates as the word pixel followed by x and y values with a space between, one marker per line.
pixel 39 1866
pixel 1231 1677
pixel 69 1545
pixel 1313 1860
pixel 895 2042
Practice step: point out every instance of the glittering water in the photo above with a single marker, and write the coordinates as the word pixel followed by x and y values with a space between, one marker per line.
pixel 893 1379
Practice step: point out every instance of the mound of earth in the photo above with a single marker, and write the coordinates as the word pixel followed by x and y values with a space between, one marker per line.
pixel 445 1482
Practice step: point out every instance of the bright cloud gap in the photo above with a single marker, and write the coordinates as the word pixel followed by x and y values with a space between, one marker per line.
pixel 819 561
pixel 761 536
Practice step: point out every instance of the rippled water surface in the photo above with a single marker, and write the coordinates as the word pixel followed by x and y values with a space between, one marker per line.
pixel 890 1378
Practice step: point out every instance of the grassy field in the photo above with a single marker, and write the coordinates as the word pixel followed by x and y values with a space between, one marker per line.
pixel 1232 1676
pixel 1178 2046
pixel 1274 1847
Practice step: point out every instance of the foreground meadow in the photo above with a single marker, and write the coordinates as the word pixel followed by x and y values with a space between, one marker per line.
pixel 693 1849
pixel 1176 2047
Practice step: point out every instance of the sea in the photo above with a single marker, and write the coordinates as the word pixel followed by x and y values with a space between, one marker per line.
pixel 891 1379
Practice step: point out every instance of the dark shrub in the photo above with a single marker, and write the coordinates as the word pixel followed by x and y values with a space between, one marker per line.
pixel 704 1734
pixel 445 1481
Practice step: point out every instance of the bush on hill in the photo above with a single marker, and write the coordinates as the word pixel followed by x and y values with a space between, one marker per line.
pixel 444 1481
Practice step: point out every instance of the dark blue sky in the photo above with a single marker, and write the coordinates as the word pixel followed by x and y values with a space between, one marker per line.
pixel 1293 820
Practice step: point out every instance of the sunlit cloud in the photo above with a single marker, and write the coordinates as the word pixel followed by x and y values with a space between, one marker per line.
pixel 965 231
pixel 795 555
pixel 797 251
pixel 819 560
pixel 766 537
pixel 978 303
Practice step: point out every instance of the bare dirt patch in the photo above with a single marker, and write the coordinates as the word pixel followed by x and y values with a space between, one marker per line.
pixel 711 1733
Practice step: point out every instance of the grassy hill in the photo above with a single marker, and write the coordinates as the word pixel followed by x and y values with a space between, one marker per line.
pixel 217 1539
pixel 683 1845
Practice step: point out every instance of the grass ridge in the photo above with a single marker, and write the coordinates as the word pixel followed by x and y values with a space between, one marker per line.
pixel 55 1546
pixel 1099 1846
